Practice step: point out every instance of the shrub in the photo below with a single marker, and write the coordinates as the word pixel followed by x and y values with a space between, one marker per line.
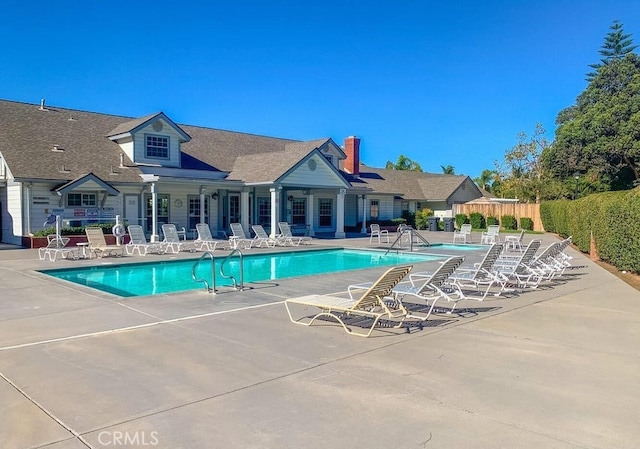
pixel 508 222
pixel 477 220
pixel 526 223
pixel 461 219
pixel 399 221
pixel 491 220
pixel 422 221
pixel 410 217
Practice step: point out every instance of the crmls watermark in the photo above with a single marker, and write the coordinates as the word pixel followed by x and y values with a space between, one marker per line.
pixel 138 439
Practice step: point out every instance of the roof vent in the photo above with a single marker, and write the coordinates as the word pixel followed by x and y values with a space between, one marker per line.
pixel 57 148
pixel 42 108
pixel 64 169
pixel 72 119
pixel 113 172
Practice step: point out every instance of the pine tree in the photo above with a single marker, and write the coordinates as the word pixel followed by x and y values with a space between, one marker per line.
pixel 616 46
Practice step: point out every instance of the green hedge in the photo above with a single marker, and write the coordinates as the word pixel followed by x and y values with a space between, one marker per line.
pixel 461 219
pixel 477 220
pixel 614 219
pixel 76 230
pixel 526 223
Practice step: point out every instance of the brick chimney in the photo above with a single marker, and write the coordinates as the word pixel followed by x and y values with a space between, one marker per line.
pixel 352 150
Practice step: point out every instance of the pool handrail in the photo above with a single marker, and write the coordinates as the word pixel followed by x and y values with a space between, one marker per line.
pixel 210 288
pixel 226 276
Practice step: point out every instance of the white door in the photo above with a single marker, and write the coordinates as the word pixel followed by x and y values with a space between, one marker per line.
pixel 132 209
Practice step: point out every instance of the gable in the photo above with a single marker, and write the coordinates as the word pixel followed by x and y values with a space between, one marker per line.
pixel 314 171
pixel 87 182
pixel 152 140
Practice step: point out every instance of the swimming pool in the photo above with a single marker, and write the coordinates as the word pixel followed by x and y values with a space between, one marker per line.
pixel 159 277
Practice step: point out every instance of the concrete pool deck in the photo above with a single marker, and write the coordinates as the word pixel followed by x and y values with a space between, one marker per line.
pixel 555 367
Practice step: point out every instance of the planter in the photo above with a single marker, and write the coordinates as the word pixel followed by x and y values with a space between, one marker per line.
pixel 41 242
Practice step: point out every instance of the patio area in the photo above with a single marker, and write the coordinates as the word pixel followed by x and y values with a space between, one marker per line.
pixel 554 367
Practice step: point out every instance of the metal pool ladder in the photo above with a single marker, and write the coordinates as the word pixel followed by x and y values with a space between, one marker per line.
pixel 212 288
pixel 407 232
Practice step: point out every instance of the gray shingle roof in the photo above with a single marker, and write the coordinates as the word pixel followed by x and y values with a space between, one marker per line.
pixel 28 134
pixel 410 184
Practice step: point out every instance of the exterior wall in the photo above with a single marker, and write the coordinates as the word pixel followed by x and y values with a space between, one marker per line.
pixel 12 219
pixel 466 192
pixel 313 173
pixel 387 209
pixel 174 146
pixel 439 208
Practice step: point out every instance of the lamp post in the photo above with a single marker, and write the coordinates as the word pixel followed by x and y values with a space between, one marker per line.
pixel 576 176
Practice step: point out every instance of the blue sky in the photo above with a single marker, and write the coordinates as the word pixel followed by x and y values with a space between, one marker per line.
pixel 443 83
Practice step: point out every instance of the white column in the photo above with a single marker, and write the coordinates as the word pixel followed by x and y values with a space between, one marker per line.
pixel 364 214
pixel 202 205
pixel 340 215
pixel 154 213
pixel 310 217
pixel 276 193
pixel 244 211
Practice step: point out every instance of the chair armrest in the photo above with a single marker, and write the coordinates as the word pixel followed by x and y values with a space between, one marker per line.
pixel 362 286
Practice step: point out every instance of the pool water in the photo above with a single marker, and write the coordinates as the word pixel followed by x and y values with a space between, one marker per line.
pixel 159 277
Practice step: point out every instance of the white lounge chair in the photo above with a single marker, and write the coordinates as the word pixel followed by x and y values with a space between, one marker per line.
pixel 172 242
pixel 481 278
pixel 432 286
pixel 138 242
pixel 239 238
pixel 377 232
pixel 370 305
pixel 205 240
pixel 491 235
pixel 463 234
pixel 262 238
pixel 519 269
pixel 289 238
pixel 98 244
pixel 57 246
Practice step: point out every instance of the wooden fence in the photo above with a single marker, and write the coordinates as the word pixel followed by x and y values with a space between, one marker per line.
pixel 518 210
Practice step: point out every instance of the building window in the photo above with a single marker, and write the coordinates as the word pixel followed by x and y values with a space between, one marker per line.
pixel 194 210
pixel 162 202
pixel 299 211
pixel 157 147
pixel 374 209
pixel 82 200
pixel 325 212
pixel 329 158
pixel 264 211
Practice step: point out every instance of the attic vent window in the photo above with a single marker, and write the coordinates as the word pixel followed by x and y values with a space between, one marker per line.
pixel 157 126
pixel 57 148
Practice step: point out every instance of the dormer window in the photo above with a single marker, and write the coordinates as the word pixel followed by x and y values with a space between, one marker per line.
pixel 156 147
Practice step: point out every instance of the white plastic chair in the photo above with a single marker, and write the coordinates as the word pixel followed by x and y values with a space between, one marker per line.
pixel 463 234
pixel 377 232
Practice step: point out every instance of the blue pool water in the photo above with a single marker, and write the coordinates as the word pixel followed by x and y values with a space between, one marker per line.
pixel 158 277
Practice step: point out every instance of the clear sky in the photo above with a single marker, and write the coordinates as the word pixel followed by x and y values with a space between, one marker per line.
pixel 443 83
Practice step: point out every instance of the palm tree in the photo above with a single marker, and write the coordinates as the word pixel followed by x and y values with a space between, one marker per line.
pixel 486 179
pixel 404 163
pixel 448 170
